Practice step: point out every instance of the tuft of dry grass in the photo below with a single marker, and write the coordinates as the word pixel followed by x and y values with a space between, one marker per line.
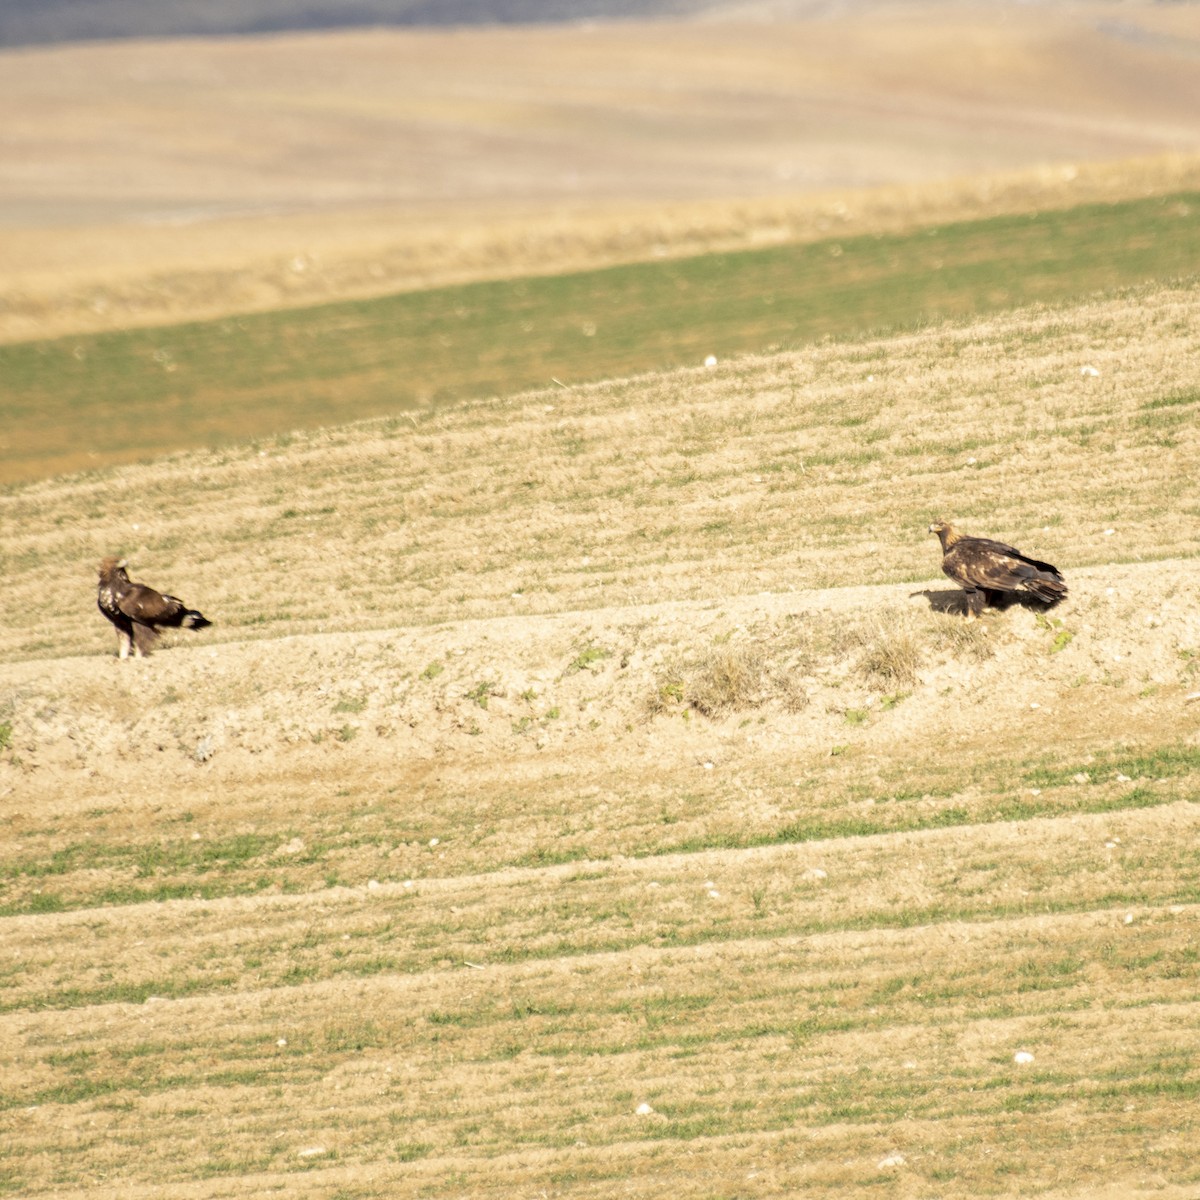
pixel 727 678
pixel 889 649
pixel 971 640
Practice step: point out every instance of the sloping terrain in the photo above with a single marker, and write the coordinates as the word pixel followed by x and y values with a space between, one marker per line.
pixel 93 401
pixel 599 791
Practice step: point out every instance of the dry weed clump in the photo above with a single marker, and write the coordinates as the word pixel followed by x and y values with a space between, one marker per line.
pixel 964 639
pixel 893 646
pixel 890 649
pixel 727 678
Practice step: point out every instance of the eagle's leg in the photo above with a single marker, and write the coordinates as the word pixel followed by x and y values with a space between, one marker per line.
pixel 975 600
pixel 144 637
pixel 124 643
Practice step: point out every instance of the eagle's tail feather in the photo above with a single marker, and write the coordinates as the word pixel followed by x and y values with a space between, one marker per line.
pixel 1050 591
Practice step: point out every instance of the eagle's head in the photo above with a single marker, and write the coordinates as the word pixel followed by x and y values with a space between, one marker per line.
pixel 110 565
pixel 946 533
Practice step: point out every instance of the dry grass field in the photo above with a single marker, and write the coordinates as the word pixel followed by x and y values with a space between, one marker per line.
pixel 144 183
pixel 597 792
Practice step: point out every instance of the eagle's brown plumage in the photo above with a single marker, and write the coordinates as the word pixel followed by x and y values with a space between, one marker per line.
pixel 138 611
pixel 984 569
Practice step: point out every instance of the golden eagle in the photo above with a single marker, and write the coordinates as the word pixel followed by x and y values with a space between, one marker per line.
pixel 138 611
pixel 987 570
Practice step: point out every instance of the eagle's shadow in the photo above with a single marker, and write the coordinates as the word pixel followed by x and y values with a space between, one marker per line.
pixel 954 600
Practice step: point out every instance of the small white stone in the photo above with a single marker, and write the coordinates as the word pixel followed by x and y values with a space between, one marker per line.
pixel 1035 705
pixel 310 1152
pixel 1022 1057
pixel 1123 778
pixel 372 884
pixel 1035 791
pixel 408 883
pixel 711 361
pixel 713 894
pixel 1090 372
pixel 892 1160
pixel 644 1110
pixel 1129 918
pixel 707 766
pixel 1110 845
pixel 1109 532
pixel 433 841
pixel 281 1042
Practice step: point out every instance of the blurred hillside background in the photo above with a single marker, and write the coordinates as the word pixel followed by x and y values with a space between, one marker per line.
pixel 30 21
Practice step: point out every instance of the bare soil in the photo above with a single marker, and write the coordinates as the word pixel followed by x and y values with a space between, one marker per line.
pixel 310 705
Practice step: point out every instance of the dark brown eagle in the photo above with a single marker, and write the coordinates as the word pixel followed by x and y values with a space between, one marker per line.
pixel 988 570
pixel 138 611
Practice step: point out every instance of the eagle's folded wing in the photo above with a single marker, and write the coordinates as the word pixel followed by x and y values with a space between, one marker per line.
pixel 144 604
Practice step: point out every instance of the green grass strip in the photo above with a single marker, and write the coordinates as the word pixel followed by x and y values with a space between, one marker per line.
pixel 90 400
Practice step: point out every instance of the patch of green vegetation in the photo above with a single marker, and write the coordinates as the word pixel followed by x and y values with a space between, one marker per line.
pixel 1165 762
pixel 44 902
pixel 1062 639
pixel 144 860
pixel 411 1151
pixel 1182 397
pixel 326 365
pixel 585 658
pixel 481 691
